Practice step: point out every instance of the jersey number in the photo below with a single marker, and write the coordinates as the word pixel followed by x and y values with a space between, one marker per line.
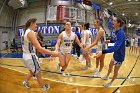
pixel 67 44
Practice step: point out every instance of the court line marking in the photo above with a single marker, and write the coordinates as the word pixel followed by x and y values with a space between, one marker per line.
pixel 74 84
pixel 128 75
pixel 74 75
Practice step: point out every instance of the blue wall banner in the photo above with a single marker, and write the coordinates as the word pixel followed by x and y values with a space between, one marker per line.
pixel 53 30
pixel 78 1
pixel 96 6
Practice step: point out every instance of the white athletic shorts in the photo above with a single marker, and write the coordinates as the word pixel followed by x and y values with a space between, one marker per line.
pixel 63 51
pixel 32 63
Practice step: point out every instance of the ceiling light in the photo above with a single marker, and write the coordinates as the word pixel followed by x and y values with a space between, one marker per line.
pixel 123 14
pixel 129 0
pixel 136 14
pixel 110 3
pixel 136 0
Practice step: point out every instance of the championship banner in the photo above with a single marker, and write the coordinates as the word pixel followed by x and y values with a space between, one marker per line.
pixel 63 13
pixel 51 13
pixel 90 17
pixel 59 13
pixel 83 15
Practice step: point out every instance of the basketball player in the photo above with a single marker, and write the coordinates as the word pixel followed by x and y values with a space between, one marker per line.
pixel 65 40
pixel 76 47
pixel 132 44
pixel 30 43
pixel 118 49
pixel 82 36
pixel 100 42
pixel 86 42
pixel 136 44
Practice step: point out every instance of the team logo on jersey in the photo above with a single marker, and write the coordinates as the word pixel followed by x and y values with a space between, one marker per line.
pixel 68 40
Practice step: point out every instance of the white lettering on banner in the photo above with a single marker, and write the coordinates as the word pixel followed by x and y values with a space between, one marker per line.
pixel 57 29
pixel 54 30
pixel 44 29
pixel 93 31
pixel 50 29
pixel 38 28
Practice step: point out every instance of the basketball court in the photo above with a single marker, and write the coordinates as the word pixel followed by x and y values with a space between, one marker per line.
pixel 13 72
pixel 52 16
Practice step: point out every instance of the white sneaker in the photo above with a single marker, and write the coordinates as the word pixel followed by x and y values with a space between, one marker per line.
pixel 97 74
pixel 105 78
pixel 85 68
pixel 26 84
pixel 64 74
pixel 82 60
pixel 95 70
pixel 108 84
pixel 89 64
pixel 45 87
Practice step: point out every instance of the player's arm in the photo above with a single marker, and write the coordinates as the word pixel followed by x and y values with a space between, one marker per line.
pixel 58 42
pixel 32 37
pixel 99 35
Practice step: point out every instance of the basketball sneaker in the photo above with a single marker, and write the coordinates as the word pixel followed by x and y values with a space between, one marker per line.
pixel 97 74
pixel 108 84
pixel 85 68
pixel 95 70
pixel 45 87
pixel 26 84
pixel 105 78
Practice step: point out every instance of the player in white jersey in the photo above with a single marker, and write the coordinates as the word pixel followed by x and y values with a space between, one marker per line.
pixel 100 41
pixel 87 35
pixel 136 44
pixel 131 49
pixel 64 44
pixel 30 59
pixel 82 36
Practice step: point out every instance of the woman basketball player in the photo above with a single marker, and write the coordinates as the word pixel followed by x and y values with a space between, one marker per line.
pixel 100 42
pixel 65 40
pixel 30 43
pixel 87 38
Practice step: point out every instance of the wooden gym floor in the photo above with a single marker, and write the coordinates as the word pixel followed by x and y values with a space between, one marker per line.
pixel 12 73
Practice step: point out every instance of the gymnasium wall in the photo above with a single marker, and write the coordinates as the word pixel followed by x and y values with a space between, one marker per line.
pixel 35 10
pixel 6 32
